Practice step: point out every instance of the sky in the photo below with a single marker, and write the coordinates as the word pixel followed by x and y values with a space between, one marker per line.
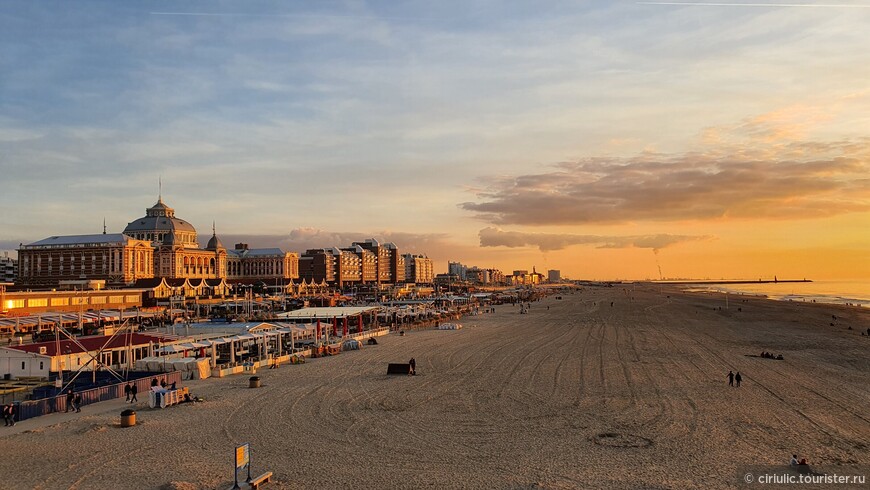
pixel 605 139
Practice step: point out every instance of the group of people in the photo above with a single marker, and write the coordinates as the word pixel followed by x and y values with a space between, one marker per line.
pixel 73 401
pixel 131 390
pixel 794 461
pixel 9 414
pixel 732 378
pixel 162 384
pixel 768 355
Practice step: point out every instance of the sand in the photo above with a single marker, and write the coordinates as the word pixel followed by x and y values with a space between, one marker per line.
pixel 580 395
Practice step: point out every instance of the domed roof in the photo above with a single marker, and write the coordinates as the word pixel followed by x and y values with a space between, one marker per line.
pixel 159 217
pixel 214 243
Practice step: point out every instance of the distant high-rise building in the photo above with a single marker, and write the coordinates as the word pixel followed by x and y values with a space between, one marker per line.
pixel 419 269
pixel 457 269
pixel 382 255
pixel 8 268
pixel 368 263
pixel 554 275
pixel 318 265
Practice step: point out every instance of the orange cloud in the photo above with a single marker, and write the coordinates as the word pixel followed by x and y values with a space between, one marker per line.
pixel 693 186
pixel 546 242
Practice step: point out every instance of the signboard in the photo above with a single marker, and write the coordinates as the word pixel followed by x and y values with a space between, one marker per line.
pixel 243 455
pixel 243 459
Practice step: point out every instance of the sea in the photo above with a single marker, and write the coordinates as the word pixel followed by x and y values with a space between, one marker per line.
pixel 853 292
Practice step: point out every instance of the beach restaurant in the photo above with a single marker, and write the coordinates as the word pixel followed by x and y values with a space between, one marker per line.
pixel 232 343
pixel 41 358
pixel 48 321
pixel 344 319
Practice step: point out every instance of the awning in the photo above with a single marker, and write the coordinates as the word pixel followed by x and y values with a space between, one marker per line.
pixel 172 349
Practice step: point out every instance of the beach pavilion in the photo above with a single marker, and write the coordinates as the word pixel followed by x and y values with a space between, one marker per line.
pixel 237 342
pixel 338 317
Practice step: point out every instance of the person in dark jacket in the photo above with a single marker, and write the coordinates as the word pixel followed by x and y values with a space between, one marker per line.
pixel 70 397
pixel 9 414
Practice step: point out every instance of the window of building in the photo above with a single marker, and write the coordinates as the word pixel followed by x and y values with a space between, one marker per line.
pixel 14 303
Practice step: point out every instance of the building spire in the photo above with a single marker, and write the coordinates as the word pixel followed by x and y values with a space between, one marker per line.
pixel 213 231
pixel 159 188
pixel 104 225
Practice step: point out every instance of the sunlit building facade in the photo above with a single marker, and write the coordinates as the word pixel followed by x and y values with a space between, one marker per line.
pixel 157 245
pixel 114 257
pixel 418 269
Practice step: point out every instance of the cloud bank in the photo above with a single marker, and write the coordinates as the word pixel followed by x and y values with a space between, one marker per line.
pixel 301 239
pixel 694 186
pixel 546 242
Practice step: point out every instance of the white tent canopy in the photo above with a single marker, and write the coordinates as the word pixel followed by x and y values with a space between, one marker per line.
pixel 326 313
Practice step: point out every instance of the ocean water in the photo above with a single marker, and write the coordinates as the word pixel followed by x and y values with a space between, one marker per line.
pixel 830 292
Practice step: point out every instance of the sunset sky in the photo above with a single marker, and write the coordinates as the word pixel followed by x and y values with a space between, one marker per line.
pixel 607 139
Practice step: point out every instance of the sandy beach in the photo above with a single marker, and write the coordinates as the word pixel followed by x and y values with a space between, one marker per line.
pixel 575 394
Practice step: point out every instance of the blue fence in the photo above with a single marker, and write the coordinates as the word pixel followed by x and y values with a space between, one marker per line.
pixel 45 406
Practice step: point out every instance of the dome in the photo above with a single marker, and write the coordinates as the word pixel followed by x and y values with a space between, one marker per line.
pixel 214 243
pixel 159 217
pixel 159 223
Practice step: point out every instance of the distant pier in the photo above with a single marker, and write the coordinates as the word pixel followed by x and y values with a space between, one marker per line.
pixel 706 282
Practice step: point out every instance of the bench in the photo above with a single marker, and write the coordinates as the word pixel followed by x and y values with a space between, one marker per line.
pixel 394 368
pixel 265 477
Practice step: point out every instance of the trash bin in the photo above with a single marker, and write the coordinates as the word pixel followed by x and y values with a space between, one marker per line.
pixel 128 418
pixel 255 382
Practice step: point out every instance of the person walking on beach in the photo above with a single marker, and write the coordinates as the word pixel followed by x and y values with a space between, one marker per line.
pixel 737 378
pixel 9 414
pixel 730 378
pixel 77 402
pixel 127 391
pixel 133 391
pixel 413 364
pixel 70 396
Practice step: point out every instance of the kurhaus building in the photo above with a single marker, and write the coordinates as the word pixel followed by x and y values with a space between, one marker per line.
pixel 157 245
